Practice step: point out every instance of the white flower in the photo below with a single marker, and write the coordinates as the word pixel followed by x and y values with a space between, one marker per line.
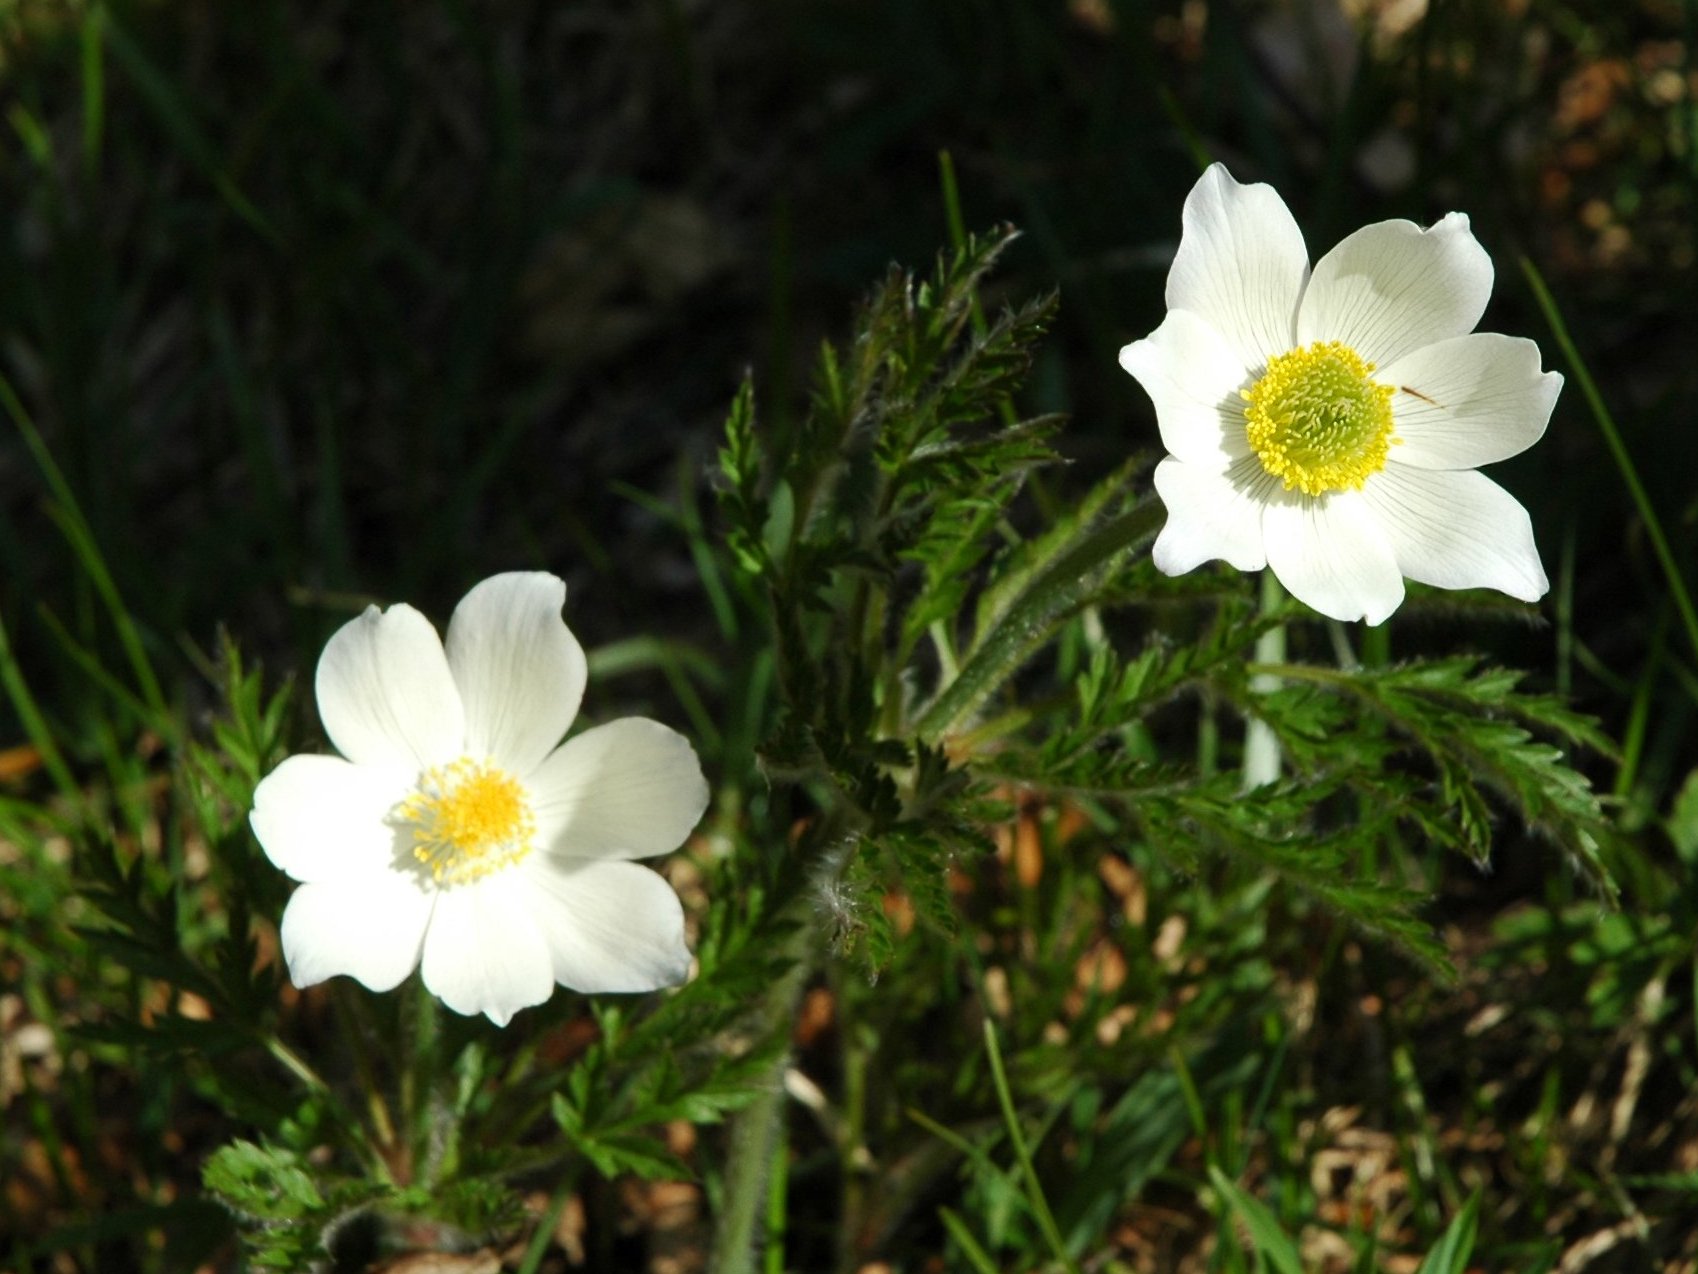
pixel 453 833
pixel 1328 426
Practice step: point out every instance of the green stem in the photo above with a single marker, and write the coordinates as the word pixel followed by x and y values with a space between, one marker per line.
pixel 858 1041
pixel 777 1205
pixel 1618 449
pixel 754 1142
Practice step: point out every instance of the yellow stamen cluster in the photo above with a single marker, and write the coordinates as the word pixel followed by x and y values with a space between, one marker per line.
pixel 1316 421
pixel 467 819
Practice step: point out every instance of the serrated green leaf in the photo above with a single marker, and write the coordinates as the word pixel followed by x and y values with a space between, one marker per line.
pixel 478 1205
pixel 1249 828
pixel 641 1155
pixel 1682 823
pixel 1473 725
pixel 1054 590
pixel 261 1183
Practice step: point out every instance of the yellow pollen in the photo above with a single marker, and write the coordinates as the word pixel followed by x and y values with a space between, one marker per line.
pixel 1317 421
pixel 467 819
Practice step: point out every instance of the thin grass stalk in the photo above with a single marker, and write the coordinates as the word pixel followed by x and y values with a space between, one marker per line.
pixel 1022 1153
pixel 1618 451
pixel 35 724
pixel 543 1237
pixel 80 536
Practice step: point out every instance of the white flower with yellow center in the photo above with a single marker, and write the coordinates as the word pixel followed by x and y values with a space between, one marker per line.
pixel 453 835
pixel 1328 426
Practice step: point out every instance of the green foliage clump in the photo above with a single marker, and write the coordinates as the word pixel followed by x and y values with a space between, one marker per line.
pixel 964 723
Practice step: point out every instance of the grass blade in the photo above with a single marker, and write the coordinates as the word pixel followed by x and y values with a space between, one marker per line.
pixel 80 536
pixel 976 1255
pixel 1267 1236
pixel 172 112
pixel 1453 1250
pixel 1618 450
pixel 1034 1188
pixel 34 724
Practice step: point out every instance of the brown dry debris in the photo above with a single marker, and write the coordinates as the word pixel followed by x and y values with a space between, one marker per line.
pixel 672 1215
pixel 818 1015
pixel 1126 884
pixel 482 1261
pixel 1586 96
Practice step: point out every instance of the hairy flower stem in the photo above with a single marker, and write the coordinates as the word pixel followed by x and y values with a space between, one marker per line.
pixel 1261 744
pixel 432 1136
pixel 756 1132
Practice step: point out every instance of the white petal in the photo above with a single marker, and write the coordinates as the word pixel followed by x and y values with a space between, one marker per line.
pixel 320 817
pixel 519 669
pixel 1193 377
pixel 1393 287
pixel 629 789
pixel 1330 554
pixel 385 693
pixel 1210 514
pixel 483 953
pixel 1469 401
pixel 1241 265
pixel 609 926
pixel 369 928
pixel 1457 530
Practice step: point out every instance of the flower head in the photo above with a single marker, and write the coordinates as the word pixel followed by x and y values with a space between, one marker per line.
pixel 1328 425
pixel 453 833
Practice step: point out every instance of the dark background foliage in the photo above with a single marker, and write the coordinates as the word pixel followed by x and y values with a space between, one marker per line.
pixel 370 297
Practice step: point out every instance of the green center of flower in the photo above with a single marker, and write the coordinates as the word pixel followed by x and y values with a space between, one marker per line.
pixel 467 819
pixel 1316 421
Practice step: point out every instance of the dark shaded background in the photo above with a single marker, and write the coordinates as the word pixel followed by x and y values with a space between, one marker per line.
pixel 374 298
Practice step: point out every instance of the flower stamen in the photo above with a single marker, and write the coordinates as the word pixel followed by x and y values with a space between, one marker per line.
pixel 1317 421
pixel 467 819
